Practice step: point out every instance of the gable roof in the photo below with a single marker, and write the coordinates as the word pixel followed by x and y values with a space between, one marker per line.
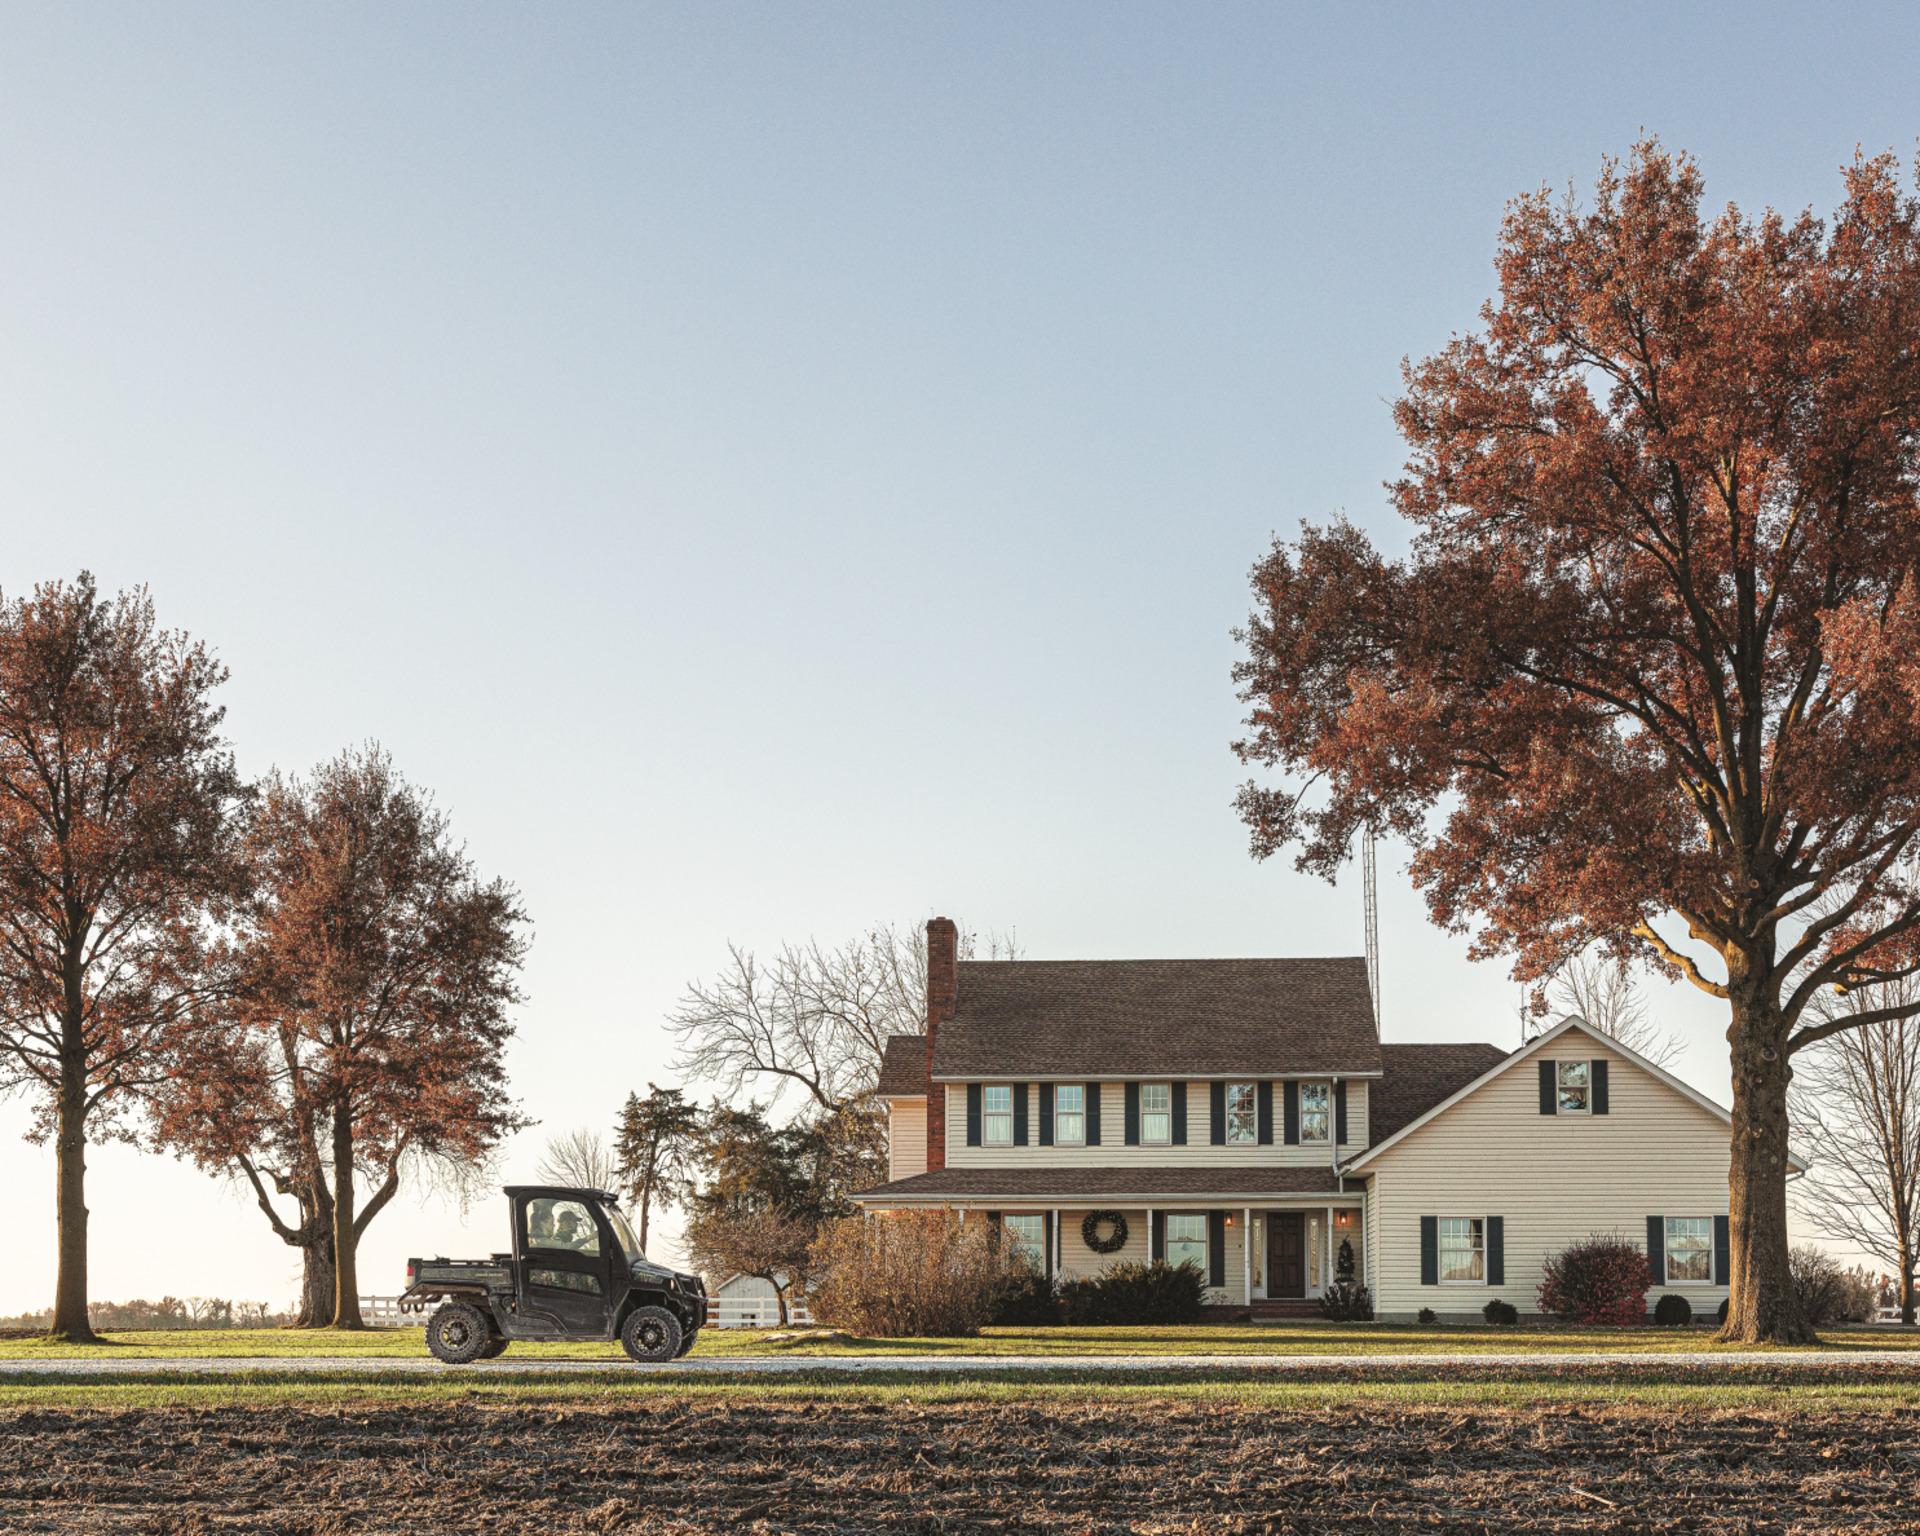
pixel 1147 1018
pixel 1417 1077
pixel 1533 1047
pixel 903 1068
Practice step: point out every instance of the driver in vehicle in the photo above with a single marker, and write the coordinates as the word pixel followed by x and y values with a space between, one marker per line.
pixel 569 1231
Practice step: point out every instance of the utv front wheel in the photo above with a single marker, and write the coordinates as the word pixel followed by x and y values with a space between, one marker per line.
pixel 496 1347
pixel 457 1333
pixel 686 1344
pixel 651 1333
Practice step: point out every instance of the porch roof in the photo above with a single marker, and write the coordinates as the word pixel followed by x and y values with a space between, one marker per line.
pixel 1146 1185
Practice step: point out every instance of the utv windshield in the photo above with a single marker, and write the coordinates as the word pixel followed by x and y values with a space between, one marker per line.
pixel 625 1234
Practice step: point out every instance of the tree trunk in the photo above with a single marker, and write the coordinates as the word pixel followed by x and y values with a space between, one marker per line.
pixel 779 1298
pixel 70 1320
pixel 316 1282
pixel 1761 1307
pixel 1905 1297
pixel 346 1274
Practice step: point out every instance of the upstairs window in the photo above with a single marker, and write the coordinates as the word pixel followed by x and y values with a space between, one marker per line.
pixel 1070 1115
pixel 1463 1250
pixel 1689 1250
pixel 1187 1241
pixel 1575 1087
pixel 1156 1114
pixel 1243 1113
pixel 1316 1117
pixel 1027 1237
pixel 996 1115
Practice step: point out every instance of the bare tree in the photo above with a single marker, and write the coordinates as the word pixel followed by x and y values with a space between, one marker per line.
pixel 813 1019
pixel 580 1158
pixel 1605 992
pixel 1856 1111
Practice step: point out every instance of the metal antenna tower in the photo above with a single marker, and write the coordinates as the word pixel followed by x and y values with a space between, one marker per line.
pixel 1371 896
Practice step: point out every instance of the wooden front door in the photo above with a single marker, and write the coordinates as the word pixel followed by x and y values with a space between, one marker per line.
pixel 1286 1253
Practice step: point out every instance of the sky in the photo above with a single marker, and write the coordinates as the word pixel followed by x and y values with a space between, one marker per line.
pixel 775 469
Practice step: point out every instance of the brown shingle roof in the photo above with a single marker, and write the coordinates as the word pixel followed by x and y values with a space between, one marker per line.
pixel 1141 1018
pixel 1103 1183
pixel 903 1067
pixel 1419 1077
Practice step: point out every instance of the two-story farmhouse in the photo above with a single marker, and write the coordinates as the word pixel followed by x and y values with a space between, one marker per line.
pixel 1243 1114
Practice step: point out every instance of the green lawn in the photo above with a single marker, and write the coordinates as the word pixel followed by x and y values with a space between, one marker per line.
pixel 1373 1340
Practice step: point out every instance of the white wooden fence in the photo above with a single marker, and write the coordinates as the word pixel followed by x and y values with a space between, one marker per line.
pixel 722 1312
pixel 384 1312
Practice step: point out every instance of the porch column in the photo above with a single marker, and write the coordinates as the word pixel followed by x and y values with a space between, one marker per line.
pixel 1246 1256
pixel 1058 1257
pixel 1149 1234
pixel 1326 1253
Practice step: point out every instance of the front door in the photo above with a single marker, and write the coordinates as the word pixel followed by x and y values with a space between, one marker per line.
pixel 1286 1253
pixel 564 1252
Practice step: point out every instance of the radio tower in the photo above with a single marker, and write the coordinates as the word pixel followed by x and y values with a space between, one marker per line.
pixel 1371 897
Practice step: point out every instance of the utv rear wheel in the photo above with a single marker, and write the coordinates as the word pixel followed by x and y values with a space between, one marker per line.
pixel 651 1333
pixel 457 1333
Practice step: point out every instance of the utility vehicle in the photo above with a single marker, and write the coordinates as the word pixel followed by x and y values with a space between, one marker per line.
pixel 575 1272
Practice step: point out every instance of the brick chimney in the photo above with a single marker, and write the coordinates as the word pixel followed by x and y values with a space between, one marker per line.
pixel 943 992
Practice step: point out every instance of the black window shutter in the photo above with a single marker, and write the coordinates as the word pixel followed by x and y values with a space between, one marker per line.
pixel 1597 1075
pixel 1496 1250
pixel 1429 1250
pixel 1340 1114
pixel 1179 1096
pixel 1157 1236
pixel 1266 1114
pixel 1046 1114
pixel 1133 1115
pixel 1722 1254
pixel 1092 1091
pixel 1291 1115
pixel 1217 1125
pixel 1046 1243
pixel 1657 1249
pixel 973 1114
pixel 1549 1089
pixel 1216 1247
pixel 1019 1114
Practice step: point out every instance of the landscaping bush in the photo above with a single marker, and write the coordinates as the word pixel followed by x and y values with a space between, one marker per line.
pixel 1827 1293
pixel 1673 1310
pixel 1502 1314
pixel 1345 1302
pixel 1125 1294
pixel 1599 1282
pixel 1428 1317
pixel 909 1273
pixel 1025 1300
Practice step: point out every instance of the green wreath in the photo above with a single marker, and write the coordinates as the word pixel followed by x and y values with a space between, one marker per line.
pixel 1114 1241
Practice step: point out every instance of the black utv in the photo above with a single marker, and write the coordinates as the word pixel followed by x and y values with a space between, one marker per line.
pixel 576 1272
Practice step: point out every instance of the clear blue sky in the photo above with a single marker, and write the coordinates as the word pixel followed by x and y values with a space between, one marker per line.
pixel 774 468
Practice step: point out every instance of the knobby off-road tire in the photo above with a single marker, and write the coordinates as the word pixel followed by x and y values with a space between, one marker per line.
pixel 496 1347
pixel 457 1333
pixel 651 1333
pixel 686 1344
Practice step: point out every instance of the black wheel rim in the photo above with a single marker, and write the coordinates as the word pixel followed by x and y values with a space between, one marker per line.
pixel 455 1334
pixel 653 1338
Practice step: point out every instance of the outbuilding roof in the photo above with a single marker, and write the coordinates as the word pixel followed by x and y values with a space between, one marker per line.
pixel 1144 1018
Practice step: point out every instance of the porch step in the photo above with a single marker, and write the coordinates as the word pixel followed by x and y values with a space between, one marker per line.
pixel 1283 1307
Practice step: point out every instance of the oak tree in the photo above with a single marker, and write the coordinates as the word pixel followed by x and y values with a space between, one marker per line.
pixel 1648 676
pixel 118 812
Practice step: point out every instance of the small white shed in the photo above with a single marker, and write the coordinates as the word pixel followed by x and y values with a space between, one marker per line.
pixel 747 1301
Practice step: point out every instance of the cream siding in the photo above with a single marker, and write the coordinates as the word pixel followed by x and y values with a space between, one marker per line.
pixel 906 1137
pixel 1553 1178
pixel 1077 1261
pixel 1113 1152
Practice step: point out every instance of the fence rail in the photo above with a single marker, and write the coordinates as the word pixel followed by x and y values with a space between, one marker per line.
pixel 723 1312
pixel 384 1312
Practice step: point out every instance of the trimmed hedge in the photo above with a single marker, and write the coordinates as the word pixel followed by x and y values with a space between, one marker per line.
pixel 1127 1294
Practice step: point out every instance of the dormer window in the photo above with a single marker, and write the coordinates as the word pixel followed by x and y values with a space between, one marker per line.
pixel 996 1115
pixel 1575 1087
pixel 1316 1116
pixel 1156 1114
pixel 1243 1114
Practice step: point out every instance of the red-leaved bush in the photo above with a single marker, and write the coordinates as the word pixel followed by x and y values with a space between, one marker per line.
pixel 1601 1281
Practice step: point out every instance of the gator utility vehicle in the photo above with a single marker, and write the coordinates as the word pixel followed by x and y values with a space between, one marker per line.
pixel 576 1272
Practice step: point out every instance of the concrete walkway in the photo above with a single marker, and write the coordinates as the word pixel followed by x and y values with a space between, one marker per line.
pixel 17 1371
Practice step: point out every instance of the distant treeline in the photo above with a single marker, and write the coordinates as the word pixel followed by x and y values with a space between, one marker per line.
pixel 167 1312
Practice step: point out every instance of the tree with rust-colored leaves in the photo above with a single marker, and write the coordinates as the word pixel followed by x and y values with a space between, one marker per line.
pixel 118 836
pixel 1648 677
pixel 380 972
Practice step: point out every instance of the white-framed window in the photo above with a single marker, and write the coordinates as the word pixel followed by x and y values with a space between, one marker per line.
pixel 1316 1112
pixel 1187 1241
pixel 1463 1250
pixel 1689 1250
pixel 996 1115
pixel 1574 1080
pixel 1070 1115
pixel 1027 1237
pixel 1243 1113
pixel 1156 1114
